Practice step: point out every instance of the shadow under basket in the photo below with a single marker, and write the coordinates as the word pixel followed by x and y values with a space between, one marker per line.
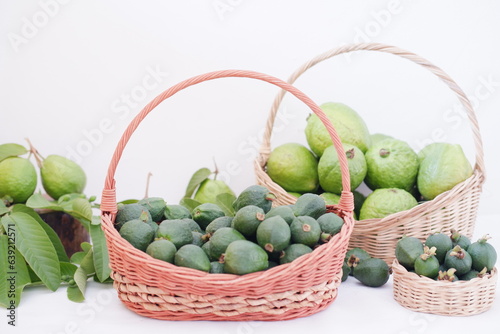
pixel 459 298
pixel 158 289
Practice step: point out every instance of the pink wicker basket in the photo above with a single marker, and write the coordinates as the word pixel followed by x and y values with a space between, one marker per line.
pixel 454 209
pixel 158 289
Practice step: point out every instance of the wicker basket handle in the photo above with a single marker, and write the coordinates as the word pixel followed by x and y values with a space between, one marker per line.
pixel 108 201
pixel 265 149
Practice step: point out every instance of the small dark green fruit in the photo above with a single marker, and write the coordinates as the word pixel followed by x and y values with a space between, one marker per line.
pixel 162 250
pixel 311 205
pixel 305 230
pixel 244 257
pixel 192 256
pixel 372 272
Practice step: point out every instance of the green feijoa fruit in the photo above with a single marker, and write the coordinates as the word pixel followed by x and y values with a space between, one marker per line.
pixel 218 223
pixel 483 254
pixel 408 249
pixel 244 257
pixel 272 264
pixel 138 233
pixel 469 275
pixel 427 264
pixel 192 256
pixel 216 267
pixel 247 219
pixel 176 211
pixel 459 259
pixel 198 239
pixel 129 212
pixel 311 205
pixel 346 270
pixel 206 248
pixel 330 223
pixel 153 225
pixel 442 242
pixel 193 226
pixel 460 240
pixel 353 257
pixel 162 250
pixel 372 272
pixel 255 195
pixel 221 239
pixel 283 211
pixel 273 234
pixel 293 252
pixel 205 213
pixel 305 230
pixel 156 207
pixel 176 231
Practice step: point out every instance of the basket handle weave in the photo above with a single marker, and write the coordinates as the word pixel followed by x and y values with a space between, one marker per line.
pixel 108 201
pixel 265 149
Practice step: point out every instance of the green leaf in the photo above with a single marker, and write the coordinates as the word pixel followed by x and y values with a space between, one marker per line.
pixel 77 257
pixel 36 247
pixel 68 269
pixel 189 203
pixel 34 278
pixel 96 220
pixel 129 201
pixel 80 209
pixel 37 201
pixel 54 238
pixel 87 263
pixel 13 271
pixel 101 256
pixel 3 208
pixel 76 293
pixel 11 150
pixel 225 202
pixel 198 177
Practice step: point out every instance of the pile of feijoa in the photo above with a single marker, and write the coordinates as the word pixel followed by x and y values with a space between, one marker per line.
pixel 447 257
pixel 257 237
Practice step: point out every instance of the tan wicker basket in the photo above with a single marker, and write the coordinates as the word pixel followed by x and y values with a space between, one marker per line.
pixel 459 298
pixel 454 209
pixel 158 289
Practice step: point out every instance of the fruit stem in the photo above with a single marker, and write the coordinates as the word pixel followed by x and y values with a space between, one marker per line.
pixel 147 185
pixel 350 154
pixel 484 239
pixel 384 153
pixel 38 157
pixel 216 171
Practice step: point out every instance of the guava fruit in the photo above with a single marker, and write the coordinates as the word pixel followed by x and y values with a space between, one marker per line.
pixel 311 205
pixel 283 211
pixel 330 198
pixel 176 211
pixel 61 176
pixel 442 169
pixel 329 172
pixel 372 272
pixel 377 137
pixel 192 256
pixel 294 168
pixel 384 202
pixel 138 233
pixel 18 180
pixel 131 211
pixel 221 239
pixel 209 189
pixel 391 163
pixel 349 125
pixel 294 194
pixel 273 234
pixel 430 149
pixel 244 257
pixel 162 250
pixel 255 195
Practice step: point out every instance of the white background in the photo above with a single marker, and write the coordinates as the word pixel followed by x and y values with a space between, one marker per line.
pixel 73 74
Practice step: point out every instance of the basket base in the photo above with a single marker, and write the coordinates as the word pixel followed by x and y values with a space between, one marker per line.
pixel 149 302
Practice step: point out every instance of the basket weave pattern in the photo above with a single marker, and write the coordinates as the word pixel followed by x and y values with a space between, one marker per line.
pixel 460 298
pixel 456 208
pixel 161 290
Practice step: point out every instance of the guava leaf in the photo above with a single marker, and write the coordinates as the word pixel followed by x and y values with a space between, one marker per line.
pixel 13 269
pixel 76 292
pixel 225 202
pixel 198 177
pixel 11 150
pixel 74 205
pixel 100 250
pixel 96 220
pixel 128 201
pixel 37 201
pixel 36 247
pixel 77 257
pixel 68 269
pixel 3 209
pixel 189 203
pixel 54 238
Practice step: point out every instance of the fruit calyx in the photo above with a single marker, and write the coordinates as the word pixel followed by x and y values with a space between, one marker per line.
pixel 350 153
pixel 458 252
pixel 484 239
pixel 384 153
pixel 260 216
pixel 325 237
pixel 482 273
pixel 353 261
pixel 269 248
pixel 270 197
pixel 428 252
pixel 306 227
pixel 448 275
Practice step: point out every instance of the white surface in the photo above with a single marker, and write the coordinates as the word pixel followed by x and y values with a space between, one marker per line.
pixel 75 80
